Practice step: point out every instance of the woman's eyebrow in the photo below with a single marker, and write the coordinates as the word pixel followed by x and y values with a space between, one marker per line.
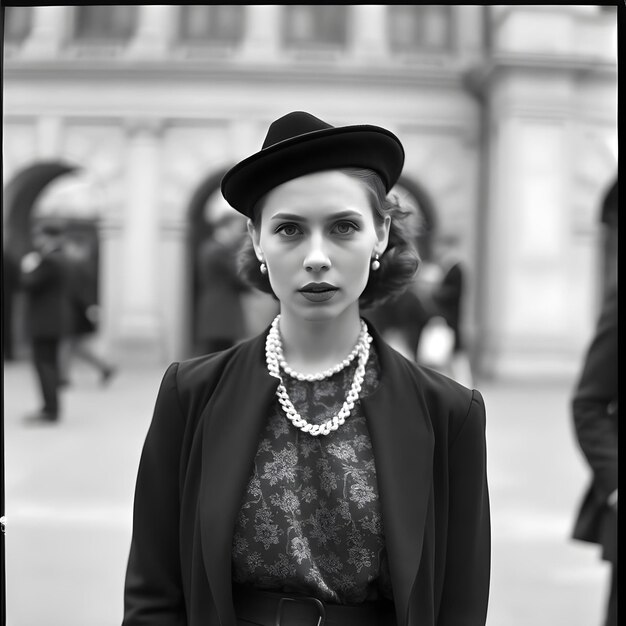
pixel 287 216
pixel 334 216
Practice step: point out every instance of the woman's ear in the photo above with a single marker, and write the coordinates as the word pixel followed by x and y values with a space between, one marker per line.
pixel 382 234
pixel 255 237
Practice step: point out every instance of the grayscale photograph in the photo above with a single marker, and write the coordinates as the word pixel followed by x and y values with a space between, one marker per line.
pixel 309 315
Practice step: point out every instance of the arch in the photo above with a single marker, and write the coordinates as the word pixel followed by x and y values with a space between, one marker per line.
pixel 20 198
pixel 20 195
pixel 195 211
pixel 198 229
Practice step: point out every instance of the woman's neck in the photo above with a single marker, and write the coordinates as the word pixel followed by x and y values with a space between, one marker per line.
pixel 312 346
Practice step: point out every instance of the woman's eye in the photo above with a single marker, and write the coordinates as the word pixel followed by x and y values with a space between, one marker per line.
pixel 345 228
pixel 289 230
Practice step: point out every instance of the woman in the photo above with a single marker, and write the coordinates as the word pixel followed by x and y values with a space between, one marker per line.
pixel 312 475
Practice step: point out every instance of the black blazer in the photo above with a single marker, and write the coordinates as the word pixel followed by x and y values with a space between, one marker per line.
pixel 594 412
pixel 428 437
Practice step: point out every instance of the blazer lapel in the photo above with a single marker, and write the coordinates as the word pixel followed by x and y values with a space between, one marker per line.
pixel 403 444
pixel 233 420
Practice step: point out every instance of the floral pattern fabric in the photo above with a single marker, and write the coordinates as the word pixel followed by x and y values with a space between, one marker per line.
pixel 310 518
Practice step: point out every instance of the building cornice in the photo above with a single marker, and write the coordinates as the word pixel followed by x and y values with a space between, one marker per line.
pixel 481 78
pixel 436 74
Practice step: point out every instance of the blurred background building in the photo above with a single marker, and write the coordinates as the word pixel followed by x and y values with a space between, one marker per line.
pixel 123 119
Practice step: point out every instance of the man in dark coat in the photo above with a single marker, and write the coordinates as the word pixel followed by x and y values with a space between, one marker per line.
pixel 44 278
pixel 220 321
pixel 594 410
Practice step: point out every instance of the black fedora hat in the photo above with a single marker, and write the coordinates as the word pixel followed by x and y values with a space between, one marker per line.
pixel 300 143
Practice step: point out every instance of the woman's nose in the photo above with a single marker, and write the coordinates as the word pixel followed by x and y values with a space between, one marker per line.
pixel 317 258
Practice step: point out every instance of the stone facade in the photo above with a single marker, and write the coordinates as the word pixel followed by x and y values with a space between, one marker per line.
pixel 508 119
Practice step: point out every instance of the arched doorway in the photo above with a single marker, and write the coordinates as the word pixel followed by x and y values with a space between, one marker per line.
pixel 198 230
pixel 205 207
pixel 76 199
pixel 19 198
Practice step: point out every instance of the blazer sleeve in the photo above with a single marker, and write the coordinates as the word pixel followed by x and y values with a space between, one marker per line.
pixel 153 591
pixel 468 555
pixel 594 404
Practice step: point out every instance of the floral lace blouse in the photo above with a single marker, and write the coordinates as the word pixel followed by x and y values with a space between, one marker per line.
pixel 310 518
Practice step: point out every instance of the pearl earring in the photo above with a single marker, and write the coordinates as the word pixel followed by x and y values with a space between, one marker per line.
pixel 263 268
pixel 375 265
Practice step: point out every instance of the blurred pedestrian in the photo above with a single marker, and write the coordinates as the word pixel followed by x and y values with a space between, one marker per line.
pixel 10 287
pixel 44 276
pixel 220 321
pixel 313 474
pixel 609 232
pixel 447 291
pixel 595 417
pixel 401 320
pixel 84 313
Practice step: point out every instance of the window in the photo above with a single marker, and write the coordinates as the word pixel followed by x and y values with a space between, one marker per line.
pixel 216 23
pixel 419 27
pixel 115 23
pixel 18 22
pixel 310 25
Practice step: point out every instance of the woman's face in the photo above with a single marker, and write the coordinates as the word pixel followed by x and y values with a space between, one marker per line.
pixel 317 235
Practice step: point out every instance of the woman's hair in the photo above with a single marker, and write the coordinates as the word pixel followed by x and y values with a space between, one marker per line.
pixel 398 264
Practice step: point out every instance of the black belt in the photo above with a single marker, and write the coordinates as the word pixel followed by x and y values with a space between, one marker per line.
pixel 270 608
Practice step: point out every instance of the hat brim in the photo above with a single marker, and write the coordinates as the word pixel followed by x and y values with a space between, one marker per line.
pixel 364 146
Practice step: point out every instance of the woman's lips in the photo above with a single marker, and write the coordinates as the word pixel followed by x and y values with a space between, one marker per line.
pixel 318 292
pixel 319 296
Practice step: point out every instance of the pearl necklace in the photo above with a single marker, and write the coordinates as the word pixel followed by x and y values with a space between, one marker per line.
pixel 326 373
pixel 274 359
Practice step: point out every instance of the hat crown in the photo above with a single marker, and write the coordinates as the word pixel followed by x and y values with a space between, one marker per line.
pixel 293 125
pixel 298 144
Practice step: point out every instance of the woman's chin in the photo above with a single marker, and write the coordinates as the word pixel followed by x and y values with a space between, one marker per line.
pixel 320 311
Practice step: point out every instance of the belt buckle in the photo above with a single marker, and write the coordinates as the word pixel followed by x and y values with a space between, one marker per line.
pixel 318 605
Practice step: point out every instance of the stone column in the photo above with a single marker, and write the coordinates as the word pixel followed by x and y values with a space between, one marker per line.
pixel 112 271
pixel 140 328
pixel 47 32
pixel 369 31
pixel 174 285
pixel 540 269
pixel 535 306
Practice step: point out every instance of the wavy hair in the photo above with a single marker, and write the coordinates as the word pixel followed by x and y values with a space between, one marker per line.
pixel 398 264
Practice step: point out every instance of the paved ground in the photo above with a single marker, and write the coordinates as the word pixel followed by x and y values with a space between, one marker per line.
pixel 69 490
